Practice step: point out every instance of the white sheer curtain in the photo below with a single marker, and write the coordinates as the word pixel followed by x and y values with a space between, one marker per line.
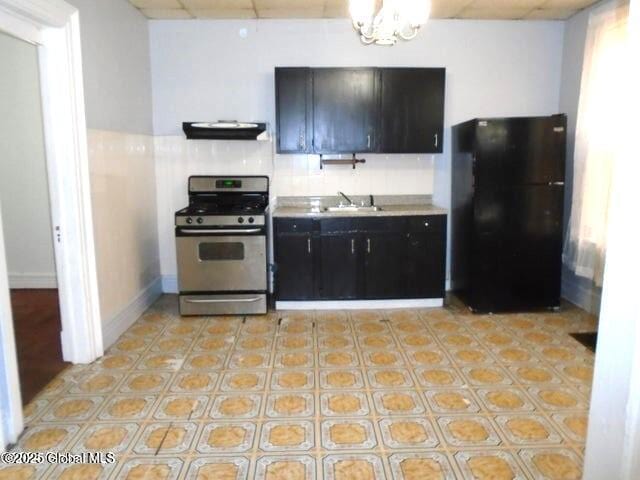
pixel 598 138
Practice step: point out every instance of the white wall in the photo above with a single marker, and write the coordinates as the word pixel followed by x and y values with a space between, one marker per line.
pixel 24 190
pixel 578 290
pixel 116 69
pixel 204 70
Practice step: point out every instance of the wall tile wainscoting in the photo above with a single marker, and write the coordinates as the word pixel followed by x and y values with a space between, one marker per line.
pixel 122 180
pixel 396 394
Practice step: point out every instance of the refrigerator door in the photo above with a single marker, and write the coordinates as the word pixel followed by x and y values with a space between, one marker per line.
pixel 517 248
pixel 520 151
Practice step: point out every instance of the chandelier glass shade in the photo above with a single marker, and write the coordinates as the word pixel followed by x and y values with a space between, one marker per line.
pixel 395 19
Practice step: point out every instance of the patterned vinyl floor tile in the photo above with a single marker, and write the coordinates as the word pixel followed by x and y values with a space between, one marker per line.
pixel 414 394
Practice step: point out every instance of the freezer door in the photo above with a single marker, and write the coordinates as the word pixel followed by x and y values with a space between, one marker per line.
pixel 520 151
pixel 517 248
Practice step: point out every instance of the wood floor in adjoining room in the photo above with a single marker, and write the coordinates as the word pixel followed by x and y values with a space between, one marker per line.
pixel 344 395
pixel 37 327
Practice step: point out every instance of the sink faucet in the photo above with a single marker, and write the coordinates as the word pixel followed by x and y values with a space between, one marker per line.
pixel 347 199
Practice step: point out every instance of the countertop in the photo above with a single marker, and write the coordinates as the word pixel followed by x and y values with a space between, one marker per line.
pixel 391 206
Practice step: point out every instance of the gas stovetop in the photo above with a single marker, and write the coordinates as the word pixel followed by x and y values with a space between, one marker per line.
pixel 225 201
pixel 203 210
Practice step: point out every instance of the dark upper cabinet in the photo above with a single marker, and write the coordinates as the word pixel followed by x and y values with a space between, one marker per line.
pixel 294 130
pixel 339 267
pixel 294 255
pixel 411 110
pixel 344 110
pixel 355 110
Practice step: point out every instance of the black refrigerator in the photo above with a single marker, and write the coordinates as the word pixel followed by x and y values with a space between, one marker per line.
pixel 507 203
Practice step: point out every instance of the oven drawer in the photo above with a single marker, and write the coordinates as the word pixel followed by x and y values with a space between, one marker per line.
pixel 221 263
pixel 234 304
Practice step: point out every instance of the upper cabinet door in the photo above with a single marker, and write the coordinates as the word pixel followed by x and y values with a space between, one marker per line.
pixel 294 130
pixel 344 110
pixel 412 110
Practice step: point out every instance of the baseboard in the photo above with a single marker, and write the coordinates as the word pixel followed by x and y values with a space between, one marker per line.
pixel 359 304
pixel 118 324
pixel 581 293
pixel 169 284
pixel 33 280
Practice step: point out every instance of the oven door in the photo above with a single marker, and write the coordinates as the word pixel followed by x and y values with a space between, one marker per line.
pixel 212 260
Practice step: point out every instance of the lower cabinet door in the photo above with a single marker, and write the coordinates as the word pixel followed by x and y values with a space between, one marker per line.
pixel 339 267
pixel 426 259
pixel 385 260
pixel 295 269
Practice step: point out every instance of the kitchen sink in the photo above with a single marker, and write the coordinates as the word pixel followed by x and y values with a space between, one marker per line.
pixel 352 208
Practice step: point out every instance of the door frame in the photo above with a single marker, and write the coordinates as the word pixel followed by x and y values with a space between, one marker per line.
pixel 54 27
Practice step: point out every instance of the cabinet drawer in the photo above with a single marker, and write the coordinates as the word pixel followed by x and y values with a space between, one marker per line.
pixel 337 225
pixel 431 223
pixel 293 225
pixel 381 224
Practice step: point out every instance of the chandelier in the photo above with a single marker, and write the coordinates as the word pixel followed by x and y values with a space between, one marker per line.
pixel 396 19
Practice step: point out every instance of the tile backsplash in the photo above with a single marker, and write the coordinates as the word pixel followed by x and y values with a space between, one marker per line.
pixel 296 174
pixel 291 175
pixel 380 175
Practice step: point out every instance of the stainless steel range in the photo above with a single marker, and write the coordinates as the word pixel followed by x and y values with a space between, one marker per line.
pixel 221 245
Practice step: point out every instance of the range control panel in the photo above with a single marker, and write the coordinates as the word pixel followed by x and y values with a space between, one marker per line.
pixel 220 221
pixel 210 184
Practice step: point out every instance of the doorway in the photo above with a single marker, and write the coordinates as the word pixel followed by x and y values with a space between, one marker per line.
pixel 53 28
pixel 26 217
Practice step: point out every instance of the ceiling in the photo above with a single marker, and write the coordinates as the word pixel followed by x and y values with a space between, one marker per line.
pixel 466 9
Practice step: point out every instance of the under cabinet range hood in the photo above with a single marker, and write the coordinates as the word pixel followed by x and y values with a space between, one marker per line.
pixel 225 130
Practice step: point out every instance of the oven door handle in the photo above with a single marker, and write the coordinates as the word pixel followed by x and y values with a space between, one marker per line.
pixel 222 300
pixel 229 230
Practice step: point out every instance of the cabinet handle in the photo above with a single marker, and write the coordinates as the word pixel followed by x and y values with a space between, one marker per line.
pixel 353 246
pixel 368 245
pixel 426 224
pixel 368 141
pixel 435 137
pixel 309 245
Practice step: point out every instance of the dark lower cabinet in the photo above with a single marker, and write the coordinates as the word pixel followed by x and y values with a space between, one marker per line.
pixel 426 273
pixel 294 251
pixel 384 266
pixel 338 265
pixel 360 258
